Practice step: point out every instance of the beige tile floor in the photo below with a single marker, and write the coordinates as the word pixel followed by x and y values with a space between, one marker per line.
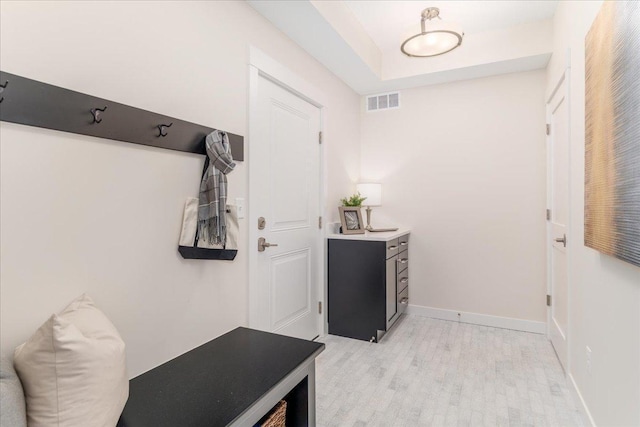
pixel 429 372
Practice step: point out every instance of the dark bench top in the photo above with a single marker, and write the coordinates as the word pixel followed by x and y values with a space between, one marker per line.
pixel 213 384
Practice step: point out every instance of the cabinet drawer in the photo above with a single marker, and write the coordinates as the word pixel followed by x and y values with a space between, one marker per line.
pixel 403 300
pixel 403 243
pixel 392 247
pixel 403 279
pixel 403 261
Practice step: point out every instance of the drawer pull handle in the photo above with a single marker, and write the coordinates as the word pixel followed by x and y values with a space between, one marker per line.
pixel 392 247
pixel 404 300
pixel 403 260
pixel 404 280
pixel 404 243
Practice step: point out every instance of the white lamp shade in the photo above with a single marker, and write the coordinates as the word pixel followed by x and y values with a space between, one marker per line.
pixel 372 192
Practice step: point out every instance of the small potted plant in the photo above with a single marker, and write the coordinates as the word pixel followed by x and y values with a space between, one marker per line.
pixel 354 200
pixel 350 215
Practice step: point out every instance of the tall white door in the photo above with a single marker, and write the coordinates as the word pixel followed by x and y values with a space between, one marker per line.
pixel 558 138
pixel 284 156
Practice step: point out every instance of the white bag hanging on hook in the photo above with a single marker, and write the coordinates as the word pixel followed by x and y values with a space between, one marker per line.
pixel 190 225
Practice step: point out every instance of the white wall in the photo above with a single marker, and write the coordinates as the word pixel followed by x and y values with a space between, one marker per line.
pixel 463 165
pixel 604 292
pixel 81 214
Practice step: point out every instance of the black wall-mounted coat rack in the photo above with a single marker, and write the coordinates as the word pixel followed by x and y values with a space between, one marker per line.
pixel 33 103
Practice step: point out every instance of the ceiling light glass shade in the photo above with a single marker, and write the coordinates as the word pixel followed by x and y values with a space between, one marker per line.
pixel 437 37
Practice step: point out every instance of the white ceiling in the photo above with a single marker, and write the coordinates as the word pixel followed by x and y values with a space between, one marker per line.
pixel 359 41
pixel 386 22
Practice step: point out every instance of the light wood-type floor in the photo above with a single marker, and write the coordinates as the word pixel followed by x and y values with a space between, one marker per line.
pixel 429 372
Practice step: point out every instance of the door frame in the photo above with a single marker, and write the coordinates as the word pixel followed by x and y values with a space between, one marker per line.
pixel 562 76
pixel 263 66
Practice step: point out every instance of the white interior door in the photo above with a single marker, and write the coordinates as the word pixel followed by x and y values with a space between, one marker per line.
pixel 558 136
pixel 284 155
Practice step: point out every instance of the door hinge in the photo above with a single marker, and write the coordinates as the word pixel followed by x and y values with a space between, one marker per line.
pixel 548 129
pixel 319 222
pixel 548 300
pixel 548 214
pixel 320 137
pixel 319 307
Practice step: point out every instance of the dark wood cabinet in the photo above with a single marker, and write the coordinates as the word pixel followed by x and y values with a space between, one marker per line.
pixel 368 284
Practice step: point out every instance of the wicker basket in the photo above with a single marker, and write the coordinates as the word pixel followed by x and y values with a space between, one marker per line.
pixel 277 417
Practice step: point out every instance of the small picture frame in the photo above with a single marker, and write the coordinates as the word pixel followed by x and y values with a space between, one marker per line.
pixel 351 220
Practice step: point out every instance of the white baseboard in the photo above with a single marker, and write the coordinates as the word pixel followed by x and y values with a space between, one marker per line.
pixel 479 319
pixel 580 403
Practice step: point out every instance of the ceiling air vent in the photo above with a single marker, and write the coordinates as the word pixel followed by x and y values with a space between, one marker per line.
pixel 383 101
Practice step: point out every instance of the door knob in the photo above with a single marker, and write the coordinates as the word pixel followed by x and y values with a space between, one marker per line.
pixel 562 240
pixel 262 243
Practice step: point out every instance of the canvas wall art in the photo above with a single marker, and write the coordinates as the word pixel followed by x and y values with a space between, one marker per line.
pixel 612 131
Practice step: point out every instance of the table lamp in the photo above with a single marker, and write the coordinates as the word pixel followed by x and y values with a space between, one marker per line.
pixel 373 197
pixel 373 194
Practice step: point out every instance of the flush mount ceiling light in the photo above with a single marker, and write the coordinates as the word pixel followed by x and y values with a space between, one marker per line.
pixel 437 37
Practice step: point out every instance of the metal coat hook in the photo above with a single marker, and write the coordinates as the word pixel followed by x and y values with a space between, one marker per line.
pixel 162 130
pixel 96 114
pixel 2 87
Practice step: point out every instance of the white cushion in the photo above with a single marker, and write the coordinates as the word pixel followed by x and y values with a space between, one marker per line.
pixel 73 369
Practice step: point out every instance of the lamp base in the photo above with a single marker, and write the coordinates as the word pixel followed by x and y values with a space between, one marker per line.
pixel 381 230
pixel 374 230
pixel 368 227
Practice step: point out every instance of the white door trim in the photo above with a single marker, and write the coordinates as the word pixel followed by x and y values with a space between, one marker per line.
pixel 284 77
pixel 261 65
pixel 563 77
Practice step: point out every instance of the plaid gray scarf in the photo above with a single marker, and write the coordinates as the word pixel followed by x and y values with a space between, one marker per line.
pixel 212 206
